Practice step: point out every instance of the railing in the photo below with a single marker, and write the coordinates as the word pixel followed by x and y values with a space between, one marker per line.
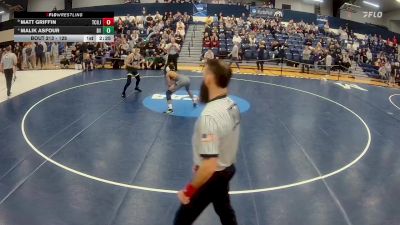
pixel 193 35
pixel 282 64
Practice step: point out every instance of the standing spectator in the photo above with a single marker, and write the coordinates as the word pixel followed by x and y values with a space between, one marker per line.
pixel 173 53
pixel 306 59
pixel 46 51
pixel 18 53
pixel 388 68
pixel 395 73
pixel 7 65
pixel 30 63
pixel 260 56
pixel 24 57
pixel 39 54
pixel 234 56
pixel 328 62
pixel 54 52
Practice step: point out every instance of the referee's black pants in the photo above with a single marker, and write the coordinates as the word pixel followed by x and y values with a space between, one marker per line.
pixel 214 191
pixel 9 75
pixel 173 59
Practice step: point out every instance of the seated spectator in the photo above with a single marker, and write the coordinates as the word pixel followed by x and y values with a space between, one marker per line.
pixel 208 55
pixel 181 31
pixel 148 61
pixel 207 43
pixel 214 44
pixel 158 62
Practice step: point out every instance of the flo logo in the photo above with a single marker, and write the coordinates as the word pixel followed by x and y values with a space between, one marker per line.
pixel 182 104
pixel 373 14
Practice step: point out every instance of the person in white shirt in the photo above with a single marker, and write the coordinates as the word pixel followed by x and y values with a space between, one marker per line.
pixel 235 55
pixel 237 39
pixel 369 56
pixel 208 55
pixel 328 63
pixel 54 52
pixel 388 68
pixel 7 66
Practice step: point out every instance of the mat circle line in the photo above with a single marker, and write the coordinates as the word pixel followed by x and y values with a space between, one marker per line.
pixel 390 100
pixel 35 149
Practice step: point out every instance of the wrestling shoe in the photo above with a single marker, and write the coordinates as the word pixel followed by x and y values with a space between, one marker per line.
pixel 123 95
pixel 169 111
pixel 138 89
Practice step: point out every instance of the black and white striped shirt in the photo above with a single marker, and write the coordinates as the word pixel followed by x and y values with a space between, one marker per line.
pixel 216 133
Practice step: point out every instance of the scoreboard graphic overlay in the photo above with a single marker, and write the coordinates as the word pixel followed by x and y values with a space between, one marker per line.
pixel 64 26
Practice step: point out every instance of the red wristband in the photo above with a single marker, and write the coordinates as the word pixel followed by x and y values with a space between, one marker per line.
pixel 189 190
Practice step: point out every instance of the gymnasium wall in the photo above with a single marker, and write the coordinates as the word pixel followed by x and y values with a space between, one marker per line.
pixel 45 5
pixel 307 6
pixel 90 3
pixel 359 17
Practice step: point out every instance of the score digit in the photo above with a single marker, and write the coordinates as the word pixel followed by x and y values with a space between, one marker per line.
pixel 108 30
pixel 108 21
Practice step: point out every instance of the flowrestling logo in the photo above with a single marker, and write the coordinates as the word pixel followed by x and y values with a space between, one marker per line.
pixel 183 105
pixel 371 14
pixel 176 97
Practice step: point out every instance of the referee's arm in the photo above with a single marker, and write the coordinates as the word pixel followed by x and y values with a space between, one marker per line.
pixel 208 151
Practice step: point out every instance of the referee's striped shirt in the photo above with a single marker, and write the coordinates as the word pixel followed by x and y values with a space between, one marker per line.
pixel 216 132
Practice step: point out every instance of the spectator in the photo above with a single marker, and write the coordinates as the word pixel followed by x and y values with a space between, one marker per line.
pixel 54 52
pixel 234 54
pixel 208 55
pixel 388 69
pixel 158 62
pixel 328 62
pixel 39 54
pixel 260 56
pixel 237 39
pixel 306 58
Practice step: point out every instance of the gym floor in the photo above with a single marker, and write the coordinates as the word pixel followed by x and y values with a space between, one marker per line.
pixel 311 152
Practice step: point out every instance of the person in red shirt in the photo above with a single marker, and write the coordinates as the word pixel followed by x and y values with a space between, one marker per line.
pixel 214 44
pixel 207 42
pixel 394 40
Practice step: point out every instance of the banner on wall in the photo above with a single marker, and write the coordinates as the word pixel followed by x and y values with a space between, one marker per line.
pixel 265 12
pixel 200 10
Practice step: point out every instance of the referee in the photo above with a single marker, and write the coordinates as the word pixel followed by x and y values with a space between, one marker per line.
pixel 8 63
pixel 215 145
pixel 173 53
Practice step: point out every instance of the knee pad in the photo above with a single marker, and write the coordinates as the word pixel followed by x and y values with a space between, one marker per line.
pixel 168 94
